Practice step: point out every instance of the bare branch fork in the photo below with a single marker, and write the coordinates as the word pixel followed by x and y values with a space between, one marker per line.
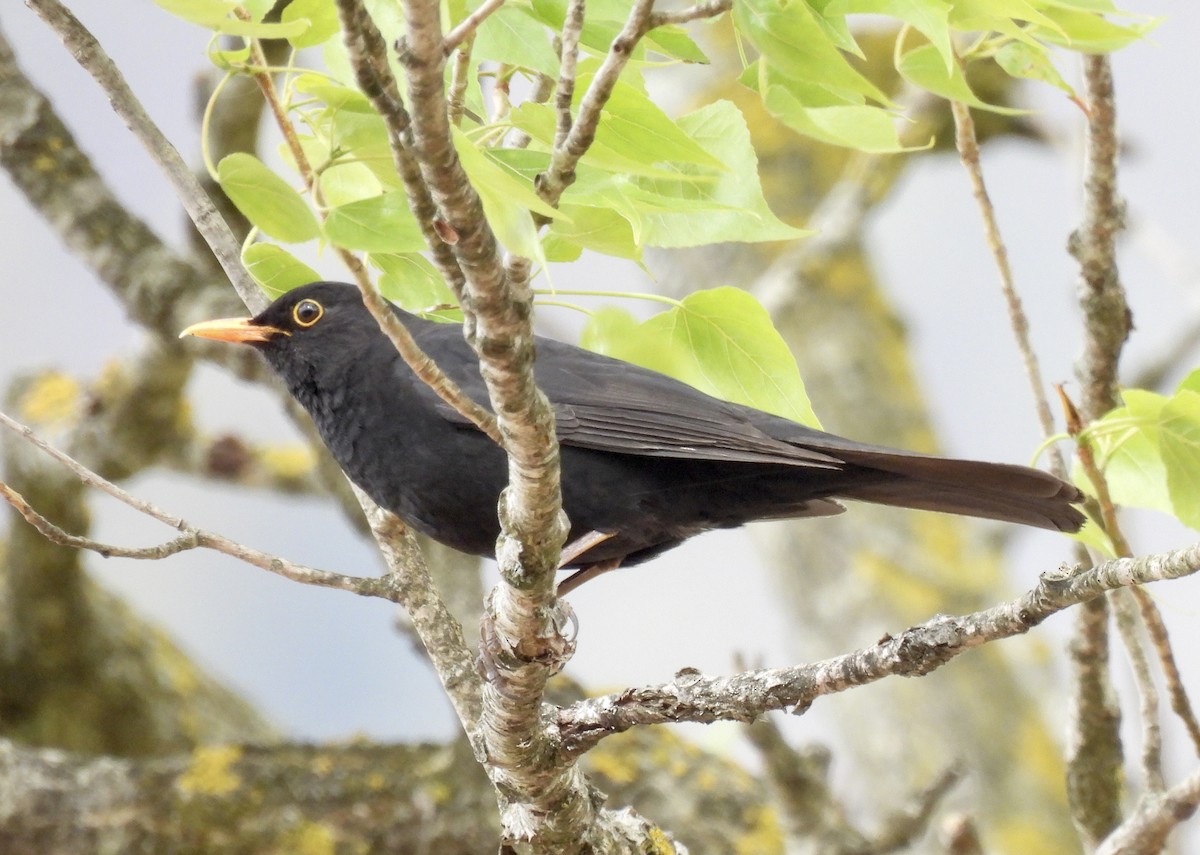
pixel 191 537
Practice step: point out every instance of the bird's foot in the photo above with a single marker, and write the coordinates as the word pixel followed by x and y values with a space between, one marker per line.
pixel 580 545
pixel 591 571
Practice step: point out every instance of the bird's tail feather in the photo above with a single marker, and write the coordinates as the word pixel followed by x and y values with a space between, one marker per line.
pixel 996 491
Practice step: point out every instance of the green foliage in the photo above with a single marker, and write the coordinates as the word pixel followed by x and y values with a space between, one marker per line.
pixel 267 201
pixel 1149 450
pixel 721 341
pixel 275 269
pixel 651 177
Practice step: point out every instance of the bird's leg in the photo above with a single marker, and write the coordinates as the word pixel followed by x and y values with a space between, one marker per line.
pixel 591 571
pixel 580 545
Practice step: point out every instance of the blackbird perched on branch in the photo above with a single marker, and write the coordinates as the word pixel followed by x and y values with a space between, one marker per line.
pixel 647 461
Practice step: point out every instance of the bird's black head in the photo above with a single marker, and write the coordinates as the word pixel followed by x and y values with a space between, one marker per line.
pixel 310 313
pixel 310 330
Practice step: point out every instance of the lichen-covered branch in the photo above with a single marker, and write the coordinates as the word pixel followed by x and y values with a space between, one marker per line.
pixel 1094 754
pixel 1146 829
pixel 1107 318
pixel 92 58
pixel 916 651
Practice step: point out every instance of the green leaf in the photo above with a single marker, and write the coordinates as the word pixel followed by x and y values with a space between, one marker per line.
pixel 1089 33
pixel 598 229
pixel 793 40
pixel 509 35
pixel 1127 449
pixel 674 42
pixel 1021 59
pixel 267 200
pixel 858 126
pixel 923 67
pixel 344 183
pixel 740 211
pixel 507 199
pixel 1191 383
pixel 411 282
pixel 1179 440
pixel 217 15
pixel 381 224
pixel 321 16
pixel 538 120
pixel 275 269
pixel 721 341
pixel 931 18
pixel 635 127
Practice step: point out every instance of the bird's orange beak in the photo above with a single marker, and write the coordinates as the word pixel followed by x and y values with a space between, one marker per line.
pixel 239 330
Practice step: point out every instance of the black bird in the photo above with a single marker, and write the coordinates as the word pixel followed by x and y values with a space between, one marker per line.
pixel 647 460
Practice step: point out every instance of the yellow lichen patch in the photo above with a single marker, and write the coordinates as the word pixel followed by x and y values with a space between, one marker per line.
pixel 764 835
pixel 310 838
pixel 51 399
pixel 288 461
pixel 211 772
pixel 660 844
pixel 618 766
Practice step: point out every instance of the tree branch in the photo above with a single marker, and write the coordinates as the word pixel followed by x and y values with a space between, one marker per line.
pixel 191 538
pixel 92 58
pixel 916 651
pixel 560 175
pixel 1156 816
pixel 706 9
pixel 1107 318
pixel 469 25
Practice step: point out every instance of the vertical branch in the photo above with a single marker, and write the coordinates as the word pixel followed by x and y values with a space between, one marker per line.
pixel 1107 319
pixel 1095 754
pixel 564 92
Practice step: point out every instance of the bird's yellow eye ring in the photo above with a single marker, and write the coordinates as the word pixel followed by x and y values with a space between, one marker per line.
pixel 307 312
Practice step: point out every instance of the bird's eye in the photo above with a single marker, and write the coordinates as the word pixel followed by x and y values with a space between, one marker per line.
pixel 307 312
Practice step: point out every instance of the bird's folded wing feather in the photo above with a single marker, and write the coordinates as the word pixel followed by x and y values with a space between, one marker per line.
pixel 610 405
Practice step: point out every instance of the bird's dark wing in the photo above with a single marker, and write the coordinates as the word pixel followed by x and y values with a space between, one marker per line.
pixel 611 405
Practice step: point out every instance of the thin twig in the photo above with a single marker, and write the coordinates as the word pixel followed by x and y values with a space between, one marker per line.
pixel 569 56
pixel 208 221
pixel 560 175
pixel 191 538
pixel 707 9
pixel 968 151
pixel 1157 630
pixel 916 651
pixel 56 535
pixel 467 27
pixel 900 829
pixel 1095 760
pixel 456 101
pixel 385 99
